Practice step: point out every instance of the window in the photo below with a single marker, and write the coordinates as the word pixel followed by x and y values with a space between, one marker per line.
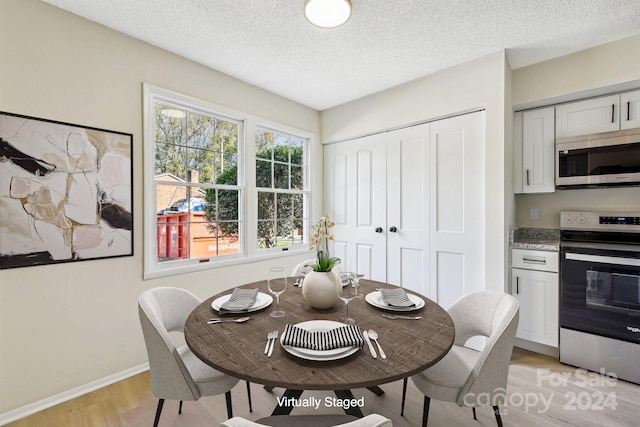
pixel 196 179
pixel 200 211
pixel 280 172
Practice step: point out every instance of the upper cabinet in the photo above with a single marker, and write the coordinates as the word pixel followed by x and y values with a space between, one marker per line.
pixel 604 114
pixel 534 150
pixel 630 110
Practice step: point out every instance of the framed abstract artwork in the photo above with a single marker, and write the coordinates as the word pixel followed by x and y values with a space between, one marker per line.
pixel 66 192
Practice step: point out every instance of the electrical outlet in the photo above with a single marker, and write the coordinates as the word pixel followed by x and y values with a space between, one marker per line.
pixel 534 214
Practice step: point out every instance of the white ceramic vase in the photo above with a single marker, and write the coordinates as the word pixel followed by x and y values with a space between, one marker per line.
pixel 320 289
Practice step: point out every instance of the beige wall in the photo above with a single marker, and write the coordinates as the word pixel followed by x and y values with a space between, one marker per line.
pixel 64 326
pixel 611 65
pixel 606 65
pixel 479 84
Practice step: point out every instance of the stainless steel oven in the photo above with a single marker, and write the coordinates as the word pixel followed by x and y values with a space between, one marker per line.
pixel 600 292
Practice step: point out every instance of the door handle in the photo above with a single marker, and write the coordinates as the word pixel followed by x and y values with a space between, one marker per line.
pixel 378 229
pixel 393 229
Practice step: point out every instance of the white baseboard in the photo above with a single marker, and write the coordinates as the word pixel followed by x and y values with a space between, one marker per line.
pixel 32 408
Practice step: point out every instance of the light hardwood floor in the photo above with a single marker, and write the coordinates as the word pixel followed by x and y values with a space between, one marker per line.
pixel 541 392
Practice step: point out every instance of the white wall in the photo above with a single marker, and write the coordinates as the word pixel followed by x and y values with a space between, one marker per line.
pixel 608 66
pixel 479 84
pixel 63 326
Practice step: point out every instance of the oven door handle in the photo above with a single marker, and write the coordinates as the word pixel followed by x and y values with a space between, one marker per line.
pixel 603 259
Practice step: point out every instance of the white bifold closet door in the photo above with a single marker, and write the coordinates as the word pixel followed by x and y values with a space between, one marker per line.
pixel 409 206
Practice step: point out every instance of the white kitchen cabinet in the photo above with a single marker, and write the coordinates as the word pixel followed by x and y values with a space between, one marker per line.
pixel 630 110
pixel 408 206
pixel 536 288
pixel 594 115
pixel 537 171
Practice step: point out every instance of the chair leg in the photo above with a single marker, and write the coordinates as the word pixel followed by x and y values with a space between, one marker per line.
pixel 496 411
pixel 227 396
pixel 249 396
pixel 425 410
pixel 158 412
pixel 404 395
pixel 474 413
pixel 180 408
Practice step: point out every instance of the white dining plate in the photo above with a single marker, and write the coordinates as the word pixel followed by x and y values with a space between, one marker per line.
pixel 262 300
pixel 375 299
pixel 319 355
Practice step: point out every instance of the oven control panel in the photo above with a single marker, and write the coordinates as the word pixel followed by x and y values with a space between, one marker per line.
pixel 633 220
pixel 606 221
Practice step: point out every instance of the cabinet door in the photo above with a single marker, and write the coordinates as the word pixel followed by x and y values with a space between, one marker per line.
pixel 538 140
pixel 408 207
pixel 537 293
pixel 630 110
pixel 355 199
pixel 590 116
pixel 517 153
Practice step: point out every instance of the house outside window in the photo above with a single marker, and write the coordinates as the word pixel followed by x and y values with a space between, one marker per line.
pixel 200 210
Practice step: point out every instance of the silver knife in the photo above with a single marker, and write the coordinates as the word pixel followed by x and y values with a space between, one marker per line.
pixel 397 316
pixel 373 350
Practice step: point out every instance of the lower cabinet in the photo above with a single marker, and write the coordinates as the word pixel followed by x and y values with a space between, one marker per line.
pixel 537 293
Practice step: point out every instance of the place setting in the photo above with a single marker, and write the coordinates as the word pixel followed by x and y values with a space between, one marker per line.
pixel 240 301
pixel 321 340
pixel 327 340
pixel 395 299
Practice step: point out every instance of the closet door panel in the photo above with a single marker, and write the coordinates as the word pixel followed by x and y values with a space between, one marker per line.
pixel 457 207
pixel 355 198
pixel 408 207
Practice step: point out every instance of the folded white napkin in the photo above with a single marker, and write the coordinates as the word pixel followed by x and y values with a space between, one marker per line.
pixel 344 336
pixel 396 297
pixel 240 301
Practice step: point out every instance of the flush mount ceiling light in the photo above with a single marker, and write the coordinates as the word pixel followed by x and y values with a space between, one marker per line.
pixel 327 13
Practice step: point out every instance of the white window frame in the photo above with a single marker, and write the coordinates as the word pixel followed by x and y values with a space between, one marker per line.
pixel 248 212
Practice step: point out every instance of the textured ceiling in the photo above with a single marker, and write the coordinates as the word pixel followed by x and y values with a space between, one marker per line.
pixel 269 44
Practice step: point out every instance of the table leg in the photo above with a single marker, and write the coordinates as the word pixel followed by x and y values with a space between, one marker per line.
pixel 347 395
pixel 286 398
pixel 376 390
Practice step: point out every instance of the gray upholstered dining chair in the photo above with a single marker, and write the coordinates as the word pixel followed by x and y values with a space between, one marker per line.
pixel 371 420
pixel 176 373
pixel 467 376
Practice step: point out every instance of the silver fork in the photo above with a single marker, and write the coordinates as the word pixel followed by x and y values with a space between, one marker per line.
pixel 275 338
pixel 269 338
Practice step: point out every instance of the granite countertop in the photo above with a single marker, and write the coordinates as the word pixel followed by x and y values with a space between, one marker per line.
pixel 544 239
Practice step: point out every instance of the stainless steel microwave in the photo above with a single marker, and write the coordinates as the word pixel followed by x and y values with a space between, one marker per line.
pixel 604 159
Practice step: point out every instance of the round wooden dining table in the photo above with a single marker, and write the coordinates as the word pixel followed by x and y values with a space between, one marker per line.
pixel 237 349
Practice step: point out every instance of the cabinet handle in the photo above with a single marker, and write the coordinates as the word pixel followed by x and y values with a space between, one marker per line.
pixel 517 285
pixel 378 229
pixel 527 176
pixel 393 229
pixel 628 110
pixel 540 260
pixel 613 113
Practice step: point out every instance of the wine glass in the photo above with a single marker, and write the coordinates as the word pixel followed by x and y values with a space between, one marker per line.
pixel 277 283
pixel 358 273
pixel 347 292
